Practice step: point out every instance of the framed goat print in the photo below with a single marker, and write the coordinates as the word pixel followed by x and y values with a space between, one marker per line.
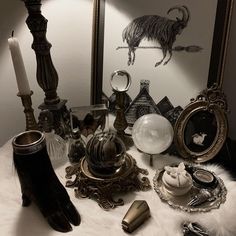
pixel 178 46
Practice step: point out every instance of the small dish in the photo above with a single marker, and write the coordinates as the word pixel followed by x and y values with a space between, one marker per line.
pixel 204 178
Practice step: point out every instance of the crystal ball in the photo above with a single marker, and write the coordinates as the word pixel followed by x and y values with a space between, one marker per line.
pixel 105 154
pixel 152 133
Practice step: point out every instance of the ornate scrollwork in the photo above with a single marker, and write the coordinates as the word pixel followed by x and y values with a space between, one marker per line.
pixel 214 96
pixel 102 189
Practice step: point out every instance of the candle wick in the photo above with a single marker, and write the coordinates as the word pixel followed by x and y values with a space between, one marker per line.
pixel 12 33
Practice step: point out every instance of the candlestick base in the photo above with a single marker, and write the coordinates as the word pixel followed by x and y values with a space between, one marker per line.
pixel 31 123
pixel 61 117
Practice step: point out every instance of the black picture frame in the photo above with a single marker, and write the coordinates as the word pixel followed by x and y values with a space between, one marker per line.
pixel 217 58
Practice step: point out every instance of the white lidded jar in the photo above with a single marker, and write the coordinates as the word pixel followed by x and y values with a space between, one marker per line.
pixel 177 181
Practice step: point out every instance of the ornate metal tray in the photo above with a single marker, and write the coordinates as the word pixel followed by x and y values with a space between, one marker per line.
pixel 181 202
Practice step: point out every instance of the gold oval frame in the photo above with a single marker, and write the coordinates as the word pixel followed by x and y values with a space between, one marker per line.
pixel 214 101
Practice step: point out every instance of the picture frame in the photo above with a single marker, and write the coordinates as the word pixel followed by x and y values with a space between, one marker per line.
pixel 202 128
pixel 216 50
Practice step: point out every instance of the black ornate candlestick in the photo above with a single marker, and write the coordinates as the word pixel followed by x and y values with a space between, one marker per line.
pixel 47 76
pixel 31 123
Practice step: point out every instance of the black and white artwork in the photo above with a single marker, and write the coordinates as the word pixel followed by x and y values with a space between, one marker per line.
pixel 159 29
pixel 168 42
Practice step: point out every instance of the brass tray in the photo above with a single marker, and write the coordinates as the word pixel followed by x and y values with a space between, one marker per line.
pixel 181 202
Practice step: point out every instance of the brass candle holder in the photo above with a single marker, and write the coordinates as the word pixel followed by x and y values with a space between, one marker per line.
pixel 31 123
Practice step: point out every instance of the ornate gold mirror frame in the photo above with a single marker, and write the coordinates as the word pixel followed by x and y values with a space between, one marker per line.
pixel 202 127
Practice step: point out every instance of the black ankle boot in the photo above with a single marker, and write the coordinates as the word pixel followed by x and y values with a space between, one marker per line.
pixel 39 182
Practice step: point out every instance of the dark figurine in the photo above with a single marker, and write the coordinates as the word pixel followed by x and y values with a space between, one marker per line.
pixel 76 148
pixel 89 124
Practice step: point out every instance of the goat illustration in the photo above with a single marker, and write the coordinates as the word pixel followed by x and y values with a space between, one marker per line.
pixel 155 28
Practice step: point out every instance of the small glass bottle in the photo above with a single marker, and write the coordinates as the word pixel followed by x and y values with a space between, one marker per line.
pixel 56 145
pixel 76 149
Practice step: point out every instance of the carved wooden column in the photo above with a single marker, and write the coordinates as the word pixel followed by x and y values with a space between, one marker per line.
pixel 46 74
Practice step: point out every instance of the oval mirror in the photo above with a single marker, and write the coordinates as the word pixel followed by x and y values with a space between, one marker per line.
pixel 202 127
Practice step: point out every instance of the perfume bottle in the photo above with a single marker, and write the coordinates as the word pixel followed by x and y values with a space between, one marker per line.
pixel 76 149
pixel 56 145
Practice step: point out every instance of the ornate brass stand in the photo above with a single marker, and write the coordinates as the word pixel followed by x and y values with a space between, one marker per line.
pixel 102 189
pixel 31 123
pixel 120 123
pixel 120 88
pixel 47 76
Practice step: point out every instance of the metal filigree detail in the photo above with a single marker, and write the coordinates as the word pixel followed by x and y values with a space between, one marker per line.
pixel 102 189
pixel 214 96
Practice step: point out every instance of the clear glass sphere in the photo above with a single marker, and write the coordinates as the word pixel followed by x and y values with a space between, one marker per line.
pixel 152 133
pixel 120 81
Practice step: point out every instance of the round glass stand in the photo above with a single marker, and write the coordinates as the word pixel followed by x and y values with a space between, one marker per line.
pixel 217 194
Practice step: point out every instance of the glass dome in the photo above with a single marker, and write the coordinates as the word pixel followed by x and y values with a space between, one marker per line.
pixel 105 154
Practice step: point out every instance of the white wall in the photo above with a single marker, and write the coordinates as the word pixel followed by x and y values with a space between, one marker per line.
pixel 69 31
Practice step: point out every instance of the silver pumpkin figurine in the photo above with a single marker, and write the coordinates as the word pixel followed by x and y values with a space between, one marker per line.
pixel 105 154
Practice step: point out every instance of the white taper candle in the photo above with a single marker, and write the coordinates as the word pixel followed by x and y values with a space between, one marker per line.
pixel 21 77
